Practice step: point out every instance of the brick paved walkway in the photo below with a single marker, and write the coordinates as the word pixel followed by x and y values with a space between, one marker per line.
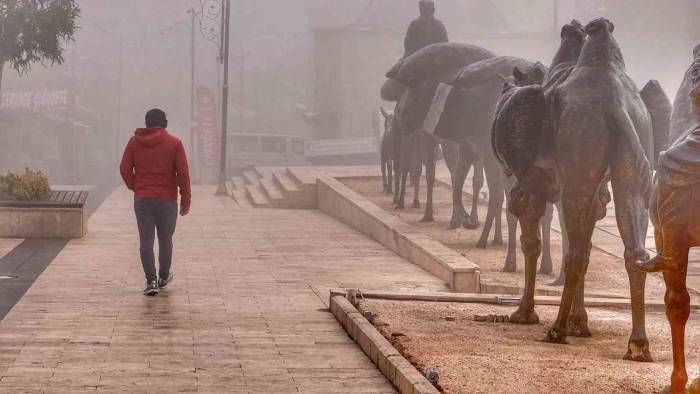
pixel 244 314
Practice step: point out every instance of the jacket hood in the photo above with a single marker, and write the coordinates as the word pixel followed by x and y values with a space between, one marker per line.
pixel 150 137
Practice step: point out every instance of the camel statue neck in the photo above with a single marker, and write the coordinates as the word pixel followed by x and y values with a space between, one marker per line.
pixel 601 49
pixel 569 51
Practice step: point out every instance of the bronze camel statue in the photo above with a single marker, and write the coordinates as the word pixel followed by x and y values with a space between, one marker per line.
pixel 591 126
pixel 675 213
pixel 602 129
pixel 572 40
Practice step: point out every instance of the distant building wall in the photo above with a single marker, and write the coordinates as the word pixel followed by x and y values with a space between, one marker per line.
pixel 349 67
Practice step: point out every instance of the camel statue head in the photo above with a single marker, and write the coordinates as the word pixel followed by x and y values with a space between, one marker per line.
pixel 599 25
pixel 574 29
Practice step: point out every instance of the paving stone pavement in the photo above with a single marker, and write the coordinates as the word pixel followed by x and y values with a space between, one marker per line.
pixel 245 313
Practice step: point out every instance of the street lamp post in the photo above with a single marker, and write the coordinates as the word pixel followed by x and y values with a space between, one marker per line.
pixel 193 56
pixel 241 92
pixel 221 190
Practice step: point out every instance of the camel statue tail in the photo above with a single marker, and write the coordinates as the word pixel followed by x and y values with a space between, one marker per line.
pixel 660 108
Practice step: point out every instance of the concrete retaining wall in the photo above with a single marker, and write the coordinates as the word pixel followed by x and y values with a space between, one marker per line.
pixel 43 223
pixel 342 203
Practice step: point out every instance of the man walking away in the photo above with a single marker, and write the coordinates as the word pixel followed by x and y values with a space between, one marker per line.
pixel 424 31
pixel 154 166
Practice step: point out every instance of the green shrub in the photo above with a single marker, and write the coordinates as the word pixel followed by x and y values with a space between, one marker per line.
pixel 32 185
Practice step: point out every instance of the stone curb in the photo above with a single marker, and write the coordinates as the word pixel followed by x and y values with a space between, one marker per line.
pixel 393 365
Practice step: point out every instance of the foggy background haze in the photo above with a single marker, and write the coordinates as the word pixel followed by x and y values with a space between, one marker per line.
pixel 310 68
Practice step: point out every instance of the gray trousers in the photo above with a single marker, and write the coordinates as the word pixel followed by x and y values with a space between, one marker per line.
pixel 156 217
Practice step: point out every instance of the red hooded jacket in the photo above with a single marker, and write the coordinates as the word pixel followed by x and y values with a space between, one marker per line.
pixel 154 165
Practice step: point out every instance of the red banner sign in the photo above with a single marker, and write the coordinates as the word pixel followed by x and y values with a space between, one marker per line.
pixel 206 132
pixel 46 100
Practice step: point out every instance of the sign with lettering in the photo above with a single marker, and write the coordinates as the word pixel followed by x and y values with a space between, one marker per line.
pixel 34 101
pixel 205 129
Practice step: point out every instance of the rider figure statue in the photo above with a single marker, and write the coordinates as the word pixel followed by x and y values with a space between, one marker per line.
pixel 424 31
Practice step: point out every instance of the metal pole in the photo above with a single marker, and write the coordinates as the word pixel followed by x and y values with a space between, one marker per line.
pixel 192 84
pixel 221 190
pixel 120 72
pixel 241 98
pixel 72 115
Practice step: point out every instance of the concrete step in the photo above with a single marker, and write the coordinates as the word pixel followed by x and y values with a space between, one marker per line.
pixel 257 196
pixel 285 182
pixel 301 176
pixel 241 198
pixel 306 182
pixel 238 183
pixel 251 178
pixel 273 193
pixel 264 172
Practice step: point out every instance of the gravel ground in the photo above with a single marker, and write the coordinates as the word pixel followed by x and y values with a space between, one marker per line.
pixel 474 357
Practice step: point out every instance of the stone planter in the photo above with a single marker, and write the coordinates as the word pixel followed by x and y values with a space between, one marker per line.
pixel 61 215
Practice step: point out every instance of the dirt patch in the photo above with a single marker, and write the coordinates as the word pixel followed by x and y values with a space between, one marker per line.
pixel 606 273
pixel 474 357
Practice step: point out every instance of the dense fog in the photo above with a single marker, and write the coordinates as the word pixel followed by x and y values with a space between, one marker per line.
pixel 304 68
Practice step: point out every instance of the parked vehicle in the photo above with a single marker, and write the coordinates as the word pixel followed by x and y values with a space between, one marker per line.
pixel 262 150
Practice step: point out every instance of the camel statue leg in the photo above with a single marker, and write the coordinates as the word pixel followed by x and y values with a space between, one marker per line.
pixel 472 222
pixel 384 165
pixel 632 221
pixel 677 302
pixel 390 176
pixel 564 248
pixel 577 326
pixel 498 220
pixel 576 201
pixel 461 165
pixel 512 255
pixel 531 245
pixel 494 180
pixel 398 171
pixel 546 226
pixel 401 185
pixel 430 153
pixel 415 178
pixel 430 185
